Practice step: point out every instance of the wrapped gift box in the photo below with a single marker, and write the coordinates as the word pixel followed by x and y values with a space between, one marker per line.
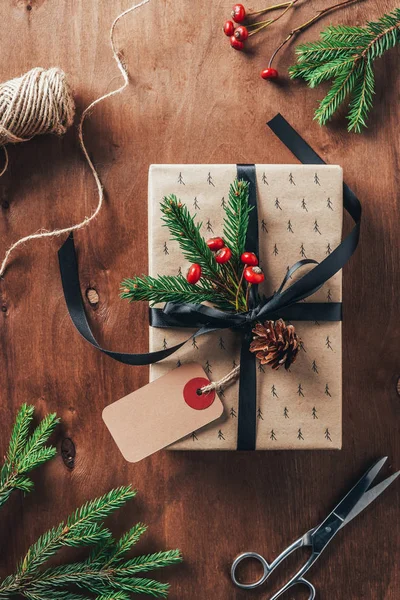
pixel 300 216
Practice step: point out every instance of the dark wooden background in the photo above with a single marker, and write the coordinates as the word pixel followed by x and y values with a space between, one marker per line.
pixel 191 99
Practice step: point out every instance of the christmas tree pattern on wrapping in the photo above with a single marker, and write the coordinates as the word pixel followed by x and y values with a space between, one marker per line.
pixel 287 413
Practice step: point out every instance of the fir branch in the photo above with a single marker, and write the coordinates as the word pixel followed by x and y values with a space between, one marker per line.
pixel 362 101
pixel 81 525
pixel 184 230
pixel 25 453
pixel 344 34
pixel 20 432
pixel 141 564
pixel 171 288
pixel 346 55
pixel 341 88
pixel 236 220
pixel 114 596
pixel 125 543
pixel 219 284
pixel 105 573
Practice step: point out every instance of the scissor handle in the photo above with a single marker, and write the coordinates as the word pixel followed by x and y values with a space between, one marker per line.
pixel 268 568
pixel 289 585
pixel 254 584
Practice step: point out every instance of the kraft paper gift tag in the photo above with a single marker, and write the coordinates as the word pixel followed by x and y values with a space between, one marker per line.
pixel 161 412
pixel 300 216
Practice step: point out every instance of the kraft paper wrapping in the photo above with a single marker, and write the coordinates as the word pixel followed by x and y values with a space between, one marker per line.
pixel 300 216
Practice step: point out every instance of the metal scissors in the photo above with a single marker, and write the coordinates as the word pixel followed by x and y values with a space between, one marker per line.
pixel 357 499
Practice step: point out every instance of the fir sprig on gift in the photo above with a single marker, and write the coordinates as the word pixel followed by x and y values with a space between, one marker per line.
pixel 186 232
pixel 107 573
pixel 346 54
pixel 221 284
pixel 171 288
pixel 236 221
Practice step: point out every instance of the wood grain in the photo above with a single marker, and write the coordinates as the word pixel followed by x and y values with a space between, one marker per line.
pixel 191 99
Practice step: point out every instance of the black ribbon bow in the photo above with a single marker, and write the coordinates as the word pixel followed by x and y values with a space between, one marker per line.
pixel 284 303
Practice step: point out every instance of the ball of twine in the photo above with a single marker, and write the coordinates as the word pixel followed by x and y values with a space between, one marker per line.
pixel 41 102
pixel 38 102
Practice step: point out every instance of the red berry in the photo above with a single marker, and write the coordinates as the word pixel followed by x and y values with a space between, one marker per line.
pixel 215 243
pixel 238 13
pixel 269 73
pixel 241 33
pixel 253 275
pixel 194 273
pixel 223 255
pixel 229 28
pixel 249 258
pixel 237 44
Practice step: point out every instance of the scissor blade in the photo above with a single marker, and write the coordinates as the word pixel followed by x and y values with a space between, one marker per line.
pixel 323 534
pixel 369 497
pixel 357 492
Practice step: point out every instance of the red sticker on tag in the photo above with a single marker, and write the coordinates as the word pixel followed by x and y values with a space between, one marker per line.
pixel 193 398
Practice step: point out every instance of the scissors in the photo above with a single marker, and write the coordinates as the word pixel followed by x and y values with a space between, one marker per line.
pixel 357 499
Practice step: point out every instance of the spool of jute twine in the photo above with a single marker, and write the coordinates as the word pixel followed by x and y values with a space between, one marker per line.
pixel 40 102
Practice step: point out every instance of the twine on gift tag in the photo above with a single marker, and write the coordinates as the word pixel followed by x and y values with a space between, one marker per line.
pixel 223 383
pixel 41 102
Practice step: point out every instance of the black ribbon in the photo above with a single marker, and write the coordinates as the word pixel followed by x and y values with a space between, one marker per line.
pixel 284 303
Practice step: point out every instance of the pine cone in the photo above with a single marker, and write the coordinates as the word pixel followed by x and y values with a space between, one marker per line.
pixel 275 343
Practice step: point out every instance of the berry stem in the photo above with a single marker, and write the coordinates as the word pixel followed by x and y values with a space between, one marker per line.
pixel 239 288
pixel 263 26
pixel 304 26
pixel 268 23
pixel 247 295
pixel 269 8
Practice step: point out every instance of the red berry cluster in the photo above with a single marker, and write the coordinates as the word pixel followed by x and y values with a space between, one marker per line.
pixel 251 272
pixel 238 35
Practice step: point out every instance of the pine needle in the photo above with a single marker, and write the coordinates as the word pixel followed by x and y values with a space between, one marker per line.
pixel 346 55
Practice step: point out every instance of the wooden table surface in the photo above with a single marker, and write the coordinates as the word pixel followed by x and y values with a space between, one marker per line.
pixel 191 99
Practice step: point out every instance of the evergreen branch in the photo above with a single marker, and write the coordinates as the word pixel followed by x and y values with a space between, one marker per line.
pixel 323 50
pixel 344 34
pixel 236 220
pixel 25 453
pixel 95 510
pixel 184 230
pixel 125 543
pixel 20 432
pixel 219 284
pixel 171 288
pixel 104 574
pixel 114 596
pixel 141 564
pixel 341 88
pixel 79 526
pixel 328 70
pixel 39 437
pixel 362 99
pixel 346 55
pixel 141 585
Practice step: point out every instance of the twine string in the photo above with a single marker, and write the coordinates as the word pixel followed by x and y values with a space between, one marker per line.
pixel 55 113
pixel 222 383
